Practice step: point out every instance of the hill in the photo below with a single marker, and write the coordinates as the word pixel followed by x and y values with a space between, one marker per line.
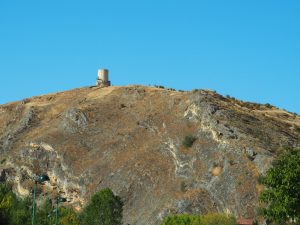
pixel 130 140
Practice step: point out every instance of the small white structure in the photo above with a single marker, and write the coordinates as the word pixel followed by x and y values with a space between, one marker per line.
pixel 102 79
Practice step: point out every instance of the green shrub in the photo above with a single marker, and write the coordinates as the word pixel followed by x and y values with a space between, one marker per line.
pixel 268 105
pixel 188 141
pixel 218 219
pixel 68 216
pixel 13 211
pixel 159 86
pixel 105 208
pixel 43 211
pixel 209 219
pixel 182 220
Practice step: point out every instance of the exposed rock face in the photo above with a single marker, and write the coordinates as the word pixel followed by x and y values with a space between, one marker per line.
pixel 130 139
pixel 74 121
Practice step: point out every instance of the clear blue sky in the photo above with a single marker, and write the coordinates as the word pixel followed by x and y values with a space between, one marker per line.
pixel 247 49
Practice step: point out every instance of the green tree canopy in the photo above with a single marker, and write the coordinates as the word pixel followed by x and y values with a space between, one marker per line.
pixel 281 197
pixel 68 216
pixel 13 211
pixel 105 208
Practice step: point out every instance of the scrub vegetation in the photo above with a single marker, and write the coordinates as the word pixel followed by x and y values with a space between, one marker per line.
pixel 104 208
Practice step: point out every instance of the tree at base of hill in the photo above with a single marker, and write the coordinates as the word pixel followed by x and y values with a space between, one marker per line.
pixel 281 197
pixel 104 208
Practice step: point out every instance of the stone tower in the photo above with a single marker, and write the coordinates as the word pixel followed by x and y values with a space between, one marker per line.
pixel 102 79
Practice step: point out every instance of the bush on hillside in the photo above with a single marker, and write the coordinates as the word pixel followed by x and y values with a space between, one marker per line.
pixel 68 216
pixel 209 219
pixel 188 141
pixel 104 208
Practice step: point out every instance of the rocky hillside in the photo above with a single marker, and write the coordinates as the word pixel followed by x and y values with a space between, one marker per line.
pixel 130 139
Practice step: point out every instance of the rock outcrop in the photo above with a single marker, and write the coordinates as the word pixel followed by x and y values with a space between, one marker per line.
pixel 130 139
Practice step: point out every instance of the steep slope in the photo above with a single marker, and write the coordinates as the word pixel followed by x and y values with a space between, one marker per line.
pixel 130 139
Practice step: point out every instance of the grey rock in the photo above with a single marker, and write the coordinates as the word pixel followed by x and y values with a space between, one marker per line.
pixel 263 163
pixel 182 206
pixel 74 121
pixel 250 153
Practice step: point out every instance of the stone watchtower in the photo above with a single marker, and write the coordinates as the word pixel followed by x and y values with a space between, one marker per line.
pixel 102 79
